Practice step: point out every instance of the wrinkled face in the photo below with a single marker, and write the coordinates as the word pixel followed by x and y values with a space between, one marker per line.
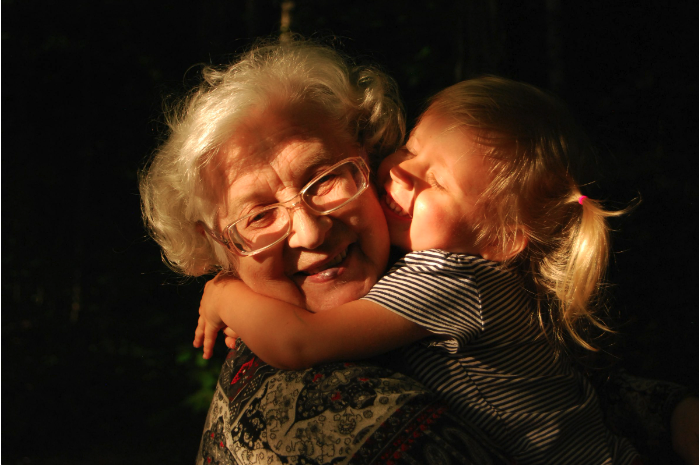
pixel 432 188
pixel 326 260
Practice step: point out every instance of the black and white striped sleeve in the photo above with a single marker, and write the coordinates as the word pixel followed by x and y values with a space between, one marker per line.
pixel 435 292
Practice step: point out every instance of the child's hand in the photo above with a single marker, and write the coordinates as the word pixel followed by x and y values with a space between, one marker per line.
pixel 231 337
pixel 212 304
pixel 205 334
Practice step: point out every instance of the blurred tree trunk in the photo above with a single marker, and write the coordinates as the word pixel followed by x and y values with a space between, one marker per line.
pixel 285 24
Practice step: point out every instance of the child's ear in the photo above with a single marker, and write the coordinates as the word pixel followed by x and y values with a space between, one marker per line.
pixel 519 243
pixel 495 253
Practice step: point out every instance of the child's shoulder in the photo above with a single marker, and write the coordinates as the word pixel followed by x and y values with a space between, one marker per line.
pixel 440 268
pixel 437 258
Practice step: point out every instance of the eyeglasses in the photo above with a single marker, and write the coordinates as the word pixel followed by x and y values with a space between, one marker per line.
pixel 267 226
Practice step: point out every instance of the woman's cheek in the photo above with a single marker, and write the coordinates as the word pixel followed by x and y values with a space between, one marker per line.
pixel 385 167
pixel 265 275
pixel 376 232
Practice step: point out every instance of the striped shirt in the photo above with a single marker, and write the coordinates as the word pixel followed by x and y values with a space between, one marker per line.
pixel 491 362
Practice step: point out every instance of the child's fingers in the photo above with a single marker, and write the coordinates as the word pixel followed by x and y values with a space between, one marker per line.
pixel 199 332
pixel 230 333
pixel 209 341
pixel 231 337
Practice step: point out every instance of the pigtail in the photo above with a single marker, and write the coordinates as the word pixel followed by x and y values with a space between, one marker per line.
pixel 533 216
pixel 575 268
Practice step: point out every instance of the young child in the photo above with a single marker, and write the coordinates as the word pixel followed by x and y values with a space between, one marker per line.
pixel 507 258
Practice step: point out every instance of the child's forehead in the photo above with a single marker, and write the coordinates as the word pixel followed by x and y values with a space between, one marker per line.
pixel 436 123
pixel 434 126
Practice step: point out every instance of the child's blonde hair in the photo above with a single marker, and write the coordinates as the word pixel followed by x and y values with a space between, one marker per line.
pixel 530 140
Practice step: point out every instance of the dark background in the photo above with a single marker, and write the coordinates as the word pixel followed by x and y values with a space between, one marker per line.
pixel 97 363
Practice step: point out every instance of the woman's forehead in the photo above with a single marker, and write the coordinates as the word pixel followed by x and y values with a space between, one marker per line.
pixel 286 166
pixel 289 157
pixel 280 136
pixel 253 171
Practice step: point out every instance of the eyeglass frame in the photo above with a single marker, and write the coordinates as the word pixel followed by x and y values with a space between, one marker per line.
pixel 230 245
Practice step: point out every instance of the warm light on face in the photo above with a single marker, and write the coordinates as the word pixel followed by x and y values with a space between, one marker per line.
pixel 267 226
pixel 433 186
pixel 325 241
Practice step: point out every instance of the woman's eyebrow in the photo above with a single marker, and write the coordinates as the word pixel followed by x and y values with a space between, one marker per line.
pixel 321 158
pixel 309 164
pixel 236 206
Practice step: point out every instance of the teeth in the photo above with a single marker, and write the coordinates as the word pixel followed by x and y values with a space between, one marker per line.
pixel 395 208
pixel 335 261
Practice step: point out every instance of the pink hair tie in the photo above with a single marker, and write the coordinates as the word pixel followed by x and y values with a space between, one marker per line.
pixel 581 198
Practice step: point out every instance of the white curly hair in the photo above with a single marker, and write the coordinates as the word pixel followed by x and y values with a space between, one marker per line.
pixel 361 101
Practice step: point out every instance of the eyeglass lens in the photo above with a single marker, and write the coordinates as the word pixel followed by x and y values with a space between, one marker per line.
pixel 331 191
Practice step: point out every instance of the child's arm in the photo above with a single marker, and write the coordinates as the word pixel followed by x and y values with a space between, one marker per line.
pixel 290 337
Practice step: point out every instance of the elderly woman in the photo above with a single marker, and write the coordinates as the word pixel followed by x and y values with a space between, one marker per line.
pixel 255 144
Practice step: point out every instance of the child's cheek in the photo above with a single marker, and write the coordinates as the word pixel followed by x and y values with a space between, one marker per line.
pixel 427 227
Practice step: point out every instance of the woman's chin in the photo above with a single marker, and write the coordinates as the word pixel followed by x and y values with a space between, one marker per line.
pixel 341 294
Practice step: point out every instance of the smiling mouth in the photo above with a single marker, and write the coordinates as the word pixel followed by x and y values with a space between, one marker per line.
pixel 394 207
pixel 327 266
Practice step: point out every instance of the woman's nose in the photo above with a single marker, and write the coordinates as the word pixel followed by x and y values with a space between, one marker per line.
pixel 308 229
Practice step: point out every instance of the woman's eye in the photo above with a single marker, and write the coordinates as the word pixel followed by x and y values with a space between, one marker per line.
pixel 258 217
pixel 260 220
pixel 324 184
pixel 325 179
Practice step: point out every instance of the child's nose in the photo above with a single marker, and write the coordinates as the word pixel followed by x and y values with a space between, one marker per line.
pixel 394 159
pixel 402 177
